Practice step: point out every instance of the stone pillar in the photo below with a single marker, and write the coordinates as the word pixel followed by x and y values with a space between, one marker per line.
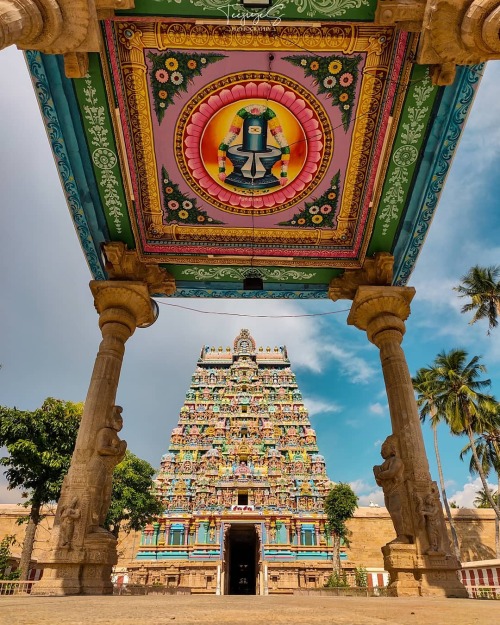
pixel 81 552
pixel 419 560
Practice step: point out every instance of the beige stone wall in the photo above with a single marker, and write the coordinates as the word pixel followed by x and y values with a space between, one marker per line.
pixel 370 529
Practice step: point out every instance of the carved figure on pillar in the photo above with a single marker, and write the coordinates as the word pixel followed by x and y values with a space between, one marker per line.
pixel 69 515
pixel 428 510
pixel 109 451
pixel 390 476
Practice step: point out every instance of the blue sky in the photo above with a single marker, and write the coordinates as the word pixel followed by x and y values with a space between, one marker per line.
pixel 49 327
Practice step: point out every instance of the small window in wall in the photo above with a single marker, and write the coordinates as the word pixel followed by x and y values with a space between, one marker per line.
pixel 311 580
pixel 243 498
pixel 176 537
pixel 274 578
pixel 244 409
pixel 308 537
pixel 171 580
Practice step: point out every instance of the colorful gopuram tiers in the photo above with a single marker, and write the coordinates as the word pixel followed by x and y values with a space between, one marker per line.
pixel 243 483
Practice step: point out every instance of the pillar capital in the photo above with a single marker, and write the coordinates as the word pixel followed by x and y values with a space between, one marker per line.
pixel 122 302
pixel 380 310
pixel 68 27
pixel 453 32
pixel 125 264
pixel 375 271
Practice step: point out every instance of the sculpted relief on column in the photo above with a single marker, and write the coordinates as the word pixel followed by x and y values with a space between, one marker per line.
pixel 390 477
pixel 109 451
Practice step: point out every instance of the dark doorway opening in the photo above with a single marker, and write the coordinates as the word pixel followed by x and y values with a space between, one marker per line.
pixel 242 560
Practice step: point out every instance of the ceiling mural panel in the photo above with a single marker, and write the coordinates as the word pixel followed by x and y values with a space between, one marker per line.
pixel 243 144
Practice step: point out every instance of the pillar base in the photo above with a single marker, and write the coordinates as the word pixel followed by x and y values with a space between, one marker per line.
pixel 81 571
pixel 413 575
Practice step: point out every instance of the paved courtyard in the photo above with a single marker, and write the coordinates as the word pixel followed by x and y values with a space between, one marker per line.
pixel 239 610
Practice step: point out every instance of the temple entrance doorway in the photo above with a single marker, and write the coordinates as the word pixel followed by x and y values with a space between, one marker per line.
pixel 241 560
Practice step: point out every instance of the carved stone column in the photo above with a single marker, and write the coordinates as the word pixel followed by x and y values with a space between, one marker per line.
pixel 82 552
pixel 420 561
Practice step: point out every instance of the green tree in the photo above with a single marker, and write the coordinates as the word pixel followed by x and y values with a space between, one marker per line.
pixel 39 446
pixel 427 389
pixel 340 505
pixel 133 502
pixel 482 500
pixel 482 286
pixel 468 410
pixel 5 555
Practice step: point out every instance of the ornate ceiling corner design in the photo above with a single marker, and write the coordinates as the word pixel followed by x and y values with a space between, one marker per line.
pixel 376 271
pixel 124 264
pixel 453 32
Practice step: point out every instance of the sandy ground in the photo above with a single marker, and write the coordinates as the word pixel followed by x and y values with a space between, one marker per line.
pixel 238 610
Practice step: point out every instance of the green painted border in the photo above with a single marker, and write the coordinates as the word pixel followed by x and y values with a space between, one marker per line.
pixel 233 273
pixel 405 158
pixel 91 95
pixel 304 10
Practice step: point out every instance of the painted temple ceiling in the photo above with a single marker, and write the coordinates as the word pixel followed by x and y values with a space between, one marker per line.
pixel 289 150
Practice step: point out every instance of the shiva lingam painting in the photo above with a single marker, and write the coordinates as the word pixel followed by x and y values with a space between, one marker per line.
pixel 254 159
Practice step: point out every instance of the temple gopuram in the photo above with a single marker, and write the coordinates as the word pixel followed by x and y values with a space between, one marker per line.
pixel 242 483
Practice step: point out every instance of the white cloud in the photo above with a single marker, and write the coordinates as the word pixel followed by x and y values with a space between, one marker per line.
pixel 367 492
pixel 378 409
pixel 319 406
pixel 465 498
pixel 351 365
pixel 373 497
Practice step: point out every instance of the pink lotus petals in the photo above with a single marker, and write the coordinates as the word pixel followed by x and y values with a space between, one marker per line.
pixel 310 167
pixel 206 109
pixel 194 163
pixel 276 93
pixel 198 119
pixel 238 92
pixel 315 145
pixel 224 193
pixel 191 142
pixel 298 106
pixel 288 99
pixel 192 153
pixel 279 197
pixel 246 201
pixel 257 202
pixel 215 102
pixel 263 90
pixel 226 96
pixel 251 90
pixel 234 200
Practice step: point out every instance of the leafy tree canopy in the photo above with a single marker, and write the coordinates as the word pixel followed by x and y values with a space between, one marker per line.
pixel 39 446
pixel 340 504
pixel 133 500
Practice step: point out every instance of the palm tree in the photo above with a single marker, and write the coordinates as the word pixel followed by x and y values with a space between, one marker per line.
pixel 468 410
pixel 424 383
pixel 482 285
pixel 481 500
pixel 487 446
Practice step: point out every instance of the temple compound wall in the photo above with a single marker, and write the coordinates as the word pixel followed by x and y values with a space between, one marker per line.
pixel 370 528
